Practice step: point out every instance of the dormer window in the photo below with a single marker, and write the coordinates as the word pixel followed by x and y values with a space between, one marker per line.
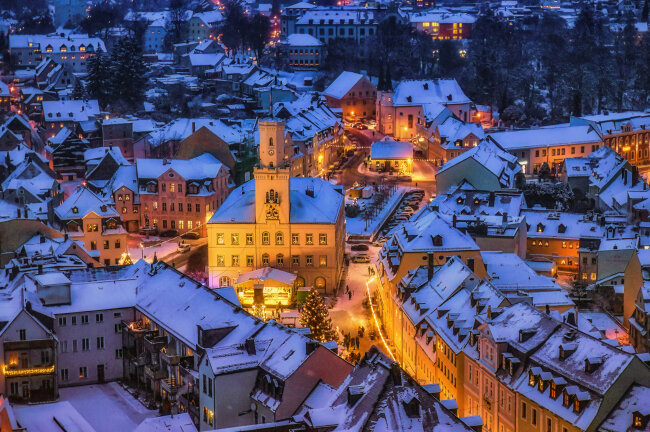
pixel 75 210
pixel 540 227
pixel 592 363
pixel 638 420
pixel 437 240
pixel 566 399
pixel 531 379
pixel 553 392
pixel 459 200
pixel 561 228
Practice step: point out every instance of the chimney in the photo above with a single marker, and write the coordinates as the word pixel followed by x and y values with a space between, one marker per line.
pixel 310 346
pixel 18 213
pixel 396 374
pixel 40 269
pixel 491 199
pixel 193 127
pixel 429 265
pixel 635 175
pixel 249 345
pixel 504 218
pixel 571 318
pixel 548 310
pixel 454 220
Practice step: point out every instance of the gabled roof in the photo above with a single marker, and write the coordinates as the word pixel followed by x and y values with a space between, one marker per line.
pixel 81 202
pixel 70 110
pixel 201 167
pixel 342 84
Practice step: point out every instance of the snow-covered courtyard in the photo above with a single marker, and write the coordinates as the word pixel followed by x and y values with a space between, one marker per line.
pixel 107 407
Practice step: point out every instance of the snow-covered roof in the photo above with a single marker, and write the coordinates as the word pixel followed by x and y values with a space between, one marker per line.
pixel 635 400
pixel 545 137
pixel 302 39
pixel 323 207
pixel 389 149
pixel 205 166
pixel 32 177
pixel 499 162
pixel 267 273
pixel 419 92
pixel 42 41
pixel 306 117
pixel 441 17
pixel 47 417
pixel 81 202
pixel 95 155
pixel 544 223
pixel 209 17
pixel 70 110
pixel 182 128
pixel 208 59
pixel 337 16
pixel 342 84
pixel 380 403
pixel 180 422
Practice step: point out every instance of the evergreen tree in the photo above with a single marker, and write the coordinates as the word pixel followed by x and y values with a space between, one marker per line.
pixel 127 73
pixel 98 68
pixel 78 91
pixel 316 317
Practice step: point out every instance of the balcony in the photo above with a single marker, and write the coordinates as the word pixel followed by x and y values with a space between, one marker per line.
pixel 28 345
pixel 170 356
pixel 155 372
pixel 172 386
pixel 154 343
pixel 15 371
pixel 135 327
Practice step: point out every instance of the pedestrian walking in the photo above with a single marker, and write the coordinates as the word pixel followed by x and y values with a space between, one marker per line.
pixel 357 341
pixel 349 295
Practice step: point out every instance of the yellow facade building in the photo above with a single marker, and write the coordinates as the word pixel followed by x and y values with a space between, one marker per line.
pixel 293 224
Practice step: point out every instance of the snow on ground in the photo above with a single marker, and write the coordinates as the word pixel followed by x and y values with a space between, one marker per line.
pixel 161 246
pixel 357 226
pixel 423 171
pixel 349 313
pixel 107 407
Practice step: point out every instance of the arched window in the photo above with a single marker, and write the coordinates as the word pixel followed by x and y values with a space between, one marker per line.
pixel 319 283
pixel 266 238
pixel 270 142
pixel 279 259
pixel 265 259
pixel 300 282
pixel 224 281
pixel 279 238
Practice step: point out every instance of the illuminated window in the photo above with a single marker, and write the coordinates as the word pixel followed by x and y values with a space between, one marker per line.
pixel 221 261
pixel 220 239
pixel 279 238
pixel 309 239
pixel 295 239
pixel 249 239
pixel 266 238
pixel 234 239
pixel 265 259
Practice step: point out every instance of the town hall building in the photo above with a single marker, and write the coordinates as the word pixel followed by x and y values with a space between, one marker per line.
pixel 293 224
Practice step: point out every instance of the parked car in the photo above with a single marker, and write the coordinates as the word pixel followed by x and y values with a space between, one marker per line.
pixel 183 247
pixel 191 236
pixel 360 259
pixel 169 233
pixel 359 247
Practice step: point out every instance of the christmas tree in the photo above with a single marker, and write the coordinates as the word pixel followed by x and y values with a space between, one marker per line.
pixel 316 317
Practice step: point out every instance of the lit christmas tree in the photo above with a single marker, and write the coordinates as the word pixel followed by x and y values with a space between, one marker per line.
pixel 317 318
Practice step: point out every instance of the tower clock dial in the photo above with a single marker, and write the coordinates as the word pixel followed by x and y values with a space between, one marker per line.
pixel 271 152
pixel 272 212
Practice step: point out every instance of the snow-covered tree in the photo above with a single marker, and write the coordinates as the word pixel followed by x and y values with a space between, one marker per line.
pixel 316 317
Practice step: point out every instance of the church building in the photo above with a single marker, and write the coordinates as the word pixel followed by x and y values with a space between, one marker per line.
pixel 293 224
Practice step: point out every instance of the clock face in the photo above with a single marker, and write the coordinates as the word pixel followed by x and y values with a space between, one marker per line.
pixel 271 152
pixel 272 212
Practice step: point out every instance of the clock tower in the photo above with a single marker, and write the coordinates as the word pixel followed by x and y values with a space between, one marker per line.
pixel 272 176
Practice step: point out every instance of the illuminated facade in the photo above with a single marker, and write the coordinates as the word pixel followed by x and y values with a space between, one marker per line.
pixel 289 223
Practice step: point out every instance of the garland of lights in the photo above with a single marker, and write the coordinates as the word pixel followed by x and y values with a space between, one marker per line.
pixel 24 372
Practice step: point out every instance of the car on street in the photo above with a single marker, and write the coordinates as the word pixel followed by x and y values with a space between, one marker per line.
pixel 360 259
pixel 184 247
